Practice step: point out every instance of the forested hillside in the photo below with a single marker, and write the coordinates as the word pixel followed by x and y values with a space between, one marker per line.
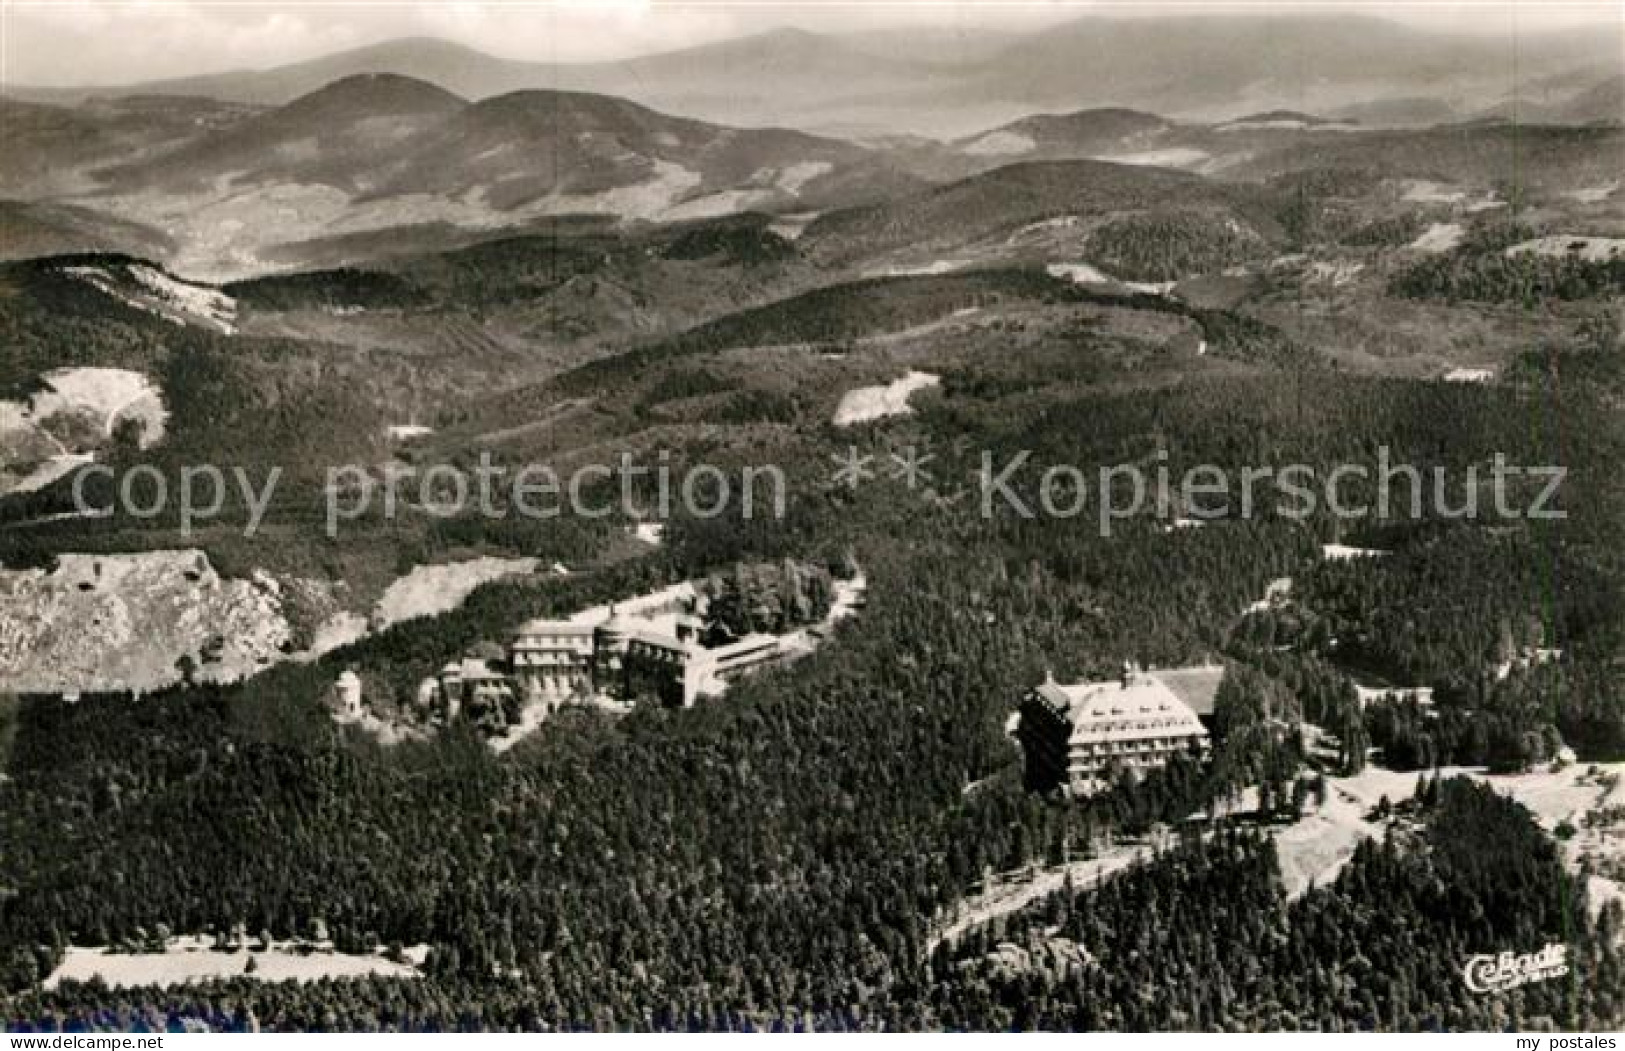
pixel 816 818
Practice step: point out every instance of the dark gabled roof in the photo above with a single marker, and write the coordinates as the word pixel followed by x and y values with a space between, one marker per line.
pixel 1196 686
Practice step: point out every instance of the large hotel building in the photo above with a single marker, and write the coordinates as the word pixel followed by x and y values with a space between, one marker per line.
pixel 1077 736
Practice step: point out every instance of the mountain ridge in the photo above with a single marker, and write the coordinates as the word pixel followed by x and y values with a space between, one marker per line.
pixel 948 86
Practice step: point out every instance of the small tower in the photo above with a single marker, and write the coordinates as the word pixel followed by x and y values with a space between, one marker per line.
pixel 609 640
pixel 347 695
pixel 688 628
pixel 451 690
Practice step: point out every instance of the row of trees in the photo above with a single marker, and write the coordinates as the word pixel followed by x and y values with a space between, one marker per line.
pixel 772 598
pixel 1172 246
pixel 1526 278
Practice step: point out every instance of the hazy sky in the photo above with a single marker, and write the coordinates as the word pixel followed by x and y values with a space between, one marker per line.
pixel 56 42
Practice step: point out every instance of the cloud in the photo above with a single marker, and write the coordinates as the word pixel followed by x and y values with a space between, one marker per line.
pixel 88 43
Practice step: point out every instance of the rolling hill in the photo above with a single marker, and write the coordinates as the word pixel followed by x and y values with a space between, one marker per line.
pixel 754 80
pixel 419 143
pixel 50 149
pixel 1481 155
pixel 522 306
pixel 342 135
pixel 1127 136
pixel 1012 211
pixel 379 152
pixel 1602 104
pixel 1112 133
pixel 29 229
pixel 518 148
pixel 1210 67
pixel 1200 66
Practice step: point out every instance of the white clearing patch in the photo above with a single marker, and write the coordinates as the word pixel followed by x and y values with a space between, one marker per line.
pixel 1312 850
pixel 1080 274
pixel 931 269
pixel 1042 228
pixel 1287 124
pixel 791 227
pixel 1590 249
pixel 1087 274
pixel 1174 157
pixel 1315 848
pixel 1335 272
pixel 435 589
pixel 873 403
pixel 38 444
pixel 111 394
pixel 650 199
pixel 1438 237
pixel 1423 192
pixel 200 302
pixel 176 301
pixel 792 179
pixel 1594 194
pixel 999 144
pixel 1343 552
pixel 666 600
pixel 193 959
pixel 341 629
pixel 724 202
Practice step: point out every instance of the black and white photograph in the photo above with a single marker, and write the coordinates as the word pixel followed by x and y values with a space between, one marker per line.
pixel 811 517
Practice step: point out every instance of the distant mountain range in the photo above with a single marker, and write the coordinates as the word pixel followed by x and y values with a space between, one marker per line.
pixel 378 135
pixel 423 143
pixel 381 151
pixel 949 84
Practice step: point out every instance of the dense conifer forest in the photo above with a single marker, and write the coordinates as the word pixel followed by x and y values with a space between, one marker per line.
pixel 614 872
